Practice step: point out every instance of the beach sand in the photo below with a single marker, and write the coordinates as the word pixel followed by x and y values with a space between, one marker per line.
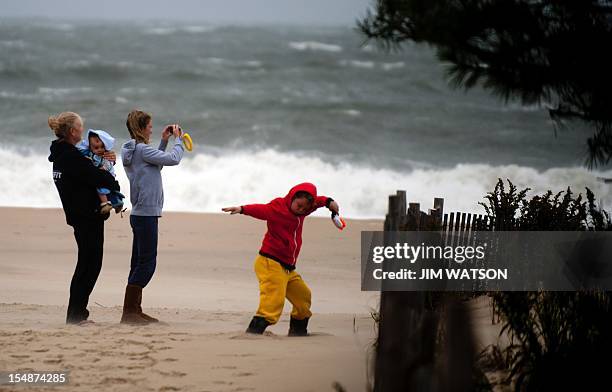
pixel 205 291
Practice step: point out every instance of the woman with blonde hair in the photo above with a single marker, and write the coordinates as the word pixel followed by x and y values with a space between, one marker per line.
pixel 76 180
pixel 143 165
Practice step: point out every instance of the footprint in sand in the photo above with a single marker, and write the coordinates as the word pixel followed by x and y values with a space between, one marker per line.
pixel 116 380
pixel 173 373
pixel 218 382
pixel 134 367
pixel 137 353
pixel 179 340
pixel 250 336
pixel 142 362
pixel 271 335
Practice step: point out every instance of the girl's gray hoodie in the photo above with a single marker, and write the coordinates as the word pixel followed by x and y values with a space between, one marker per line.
pixel 143 165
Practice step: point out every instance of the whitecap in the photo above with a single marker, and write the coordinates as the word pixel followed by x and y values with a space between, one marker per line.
pixel 392 66
pixel 134 90
pixel 253 63
pixel 218 61
pixel 13 44
pixel 198 29
pixel 63 91
pixel 161 30
pixel 357 63
pixel 352 112
pixel 17 96
pixel 315 46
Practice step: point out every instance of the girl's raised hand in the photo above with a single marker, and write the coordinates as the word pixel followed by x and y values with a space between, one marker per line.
pixel 232 210
pixel 177 130
pixel 167 132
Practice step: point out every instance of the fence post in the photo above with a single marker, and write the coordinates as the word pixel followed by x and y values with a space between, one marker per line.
pixel 407 331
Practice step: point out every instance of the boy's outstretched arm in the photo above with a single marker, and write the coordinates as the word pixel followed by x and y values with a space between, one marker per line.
pixel 324 201
pixel 259 211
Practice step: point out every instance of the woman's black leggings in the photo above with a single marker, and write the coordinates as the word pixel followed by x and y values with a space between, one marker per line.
pixel 90 241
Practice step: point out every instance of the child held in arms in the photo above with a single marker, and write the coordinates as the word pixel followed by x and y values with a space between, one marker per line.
pixel 93 146
pixel 275 264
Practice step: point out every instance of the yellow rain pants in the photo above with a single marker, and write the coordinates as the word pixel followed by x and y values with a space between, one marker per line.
pixel 276 283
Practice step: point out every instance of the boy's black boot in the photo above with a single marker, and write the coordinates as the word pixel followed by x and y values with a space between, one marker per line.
pixel 258 325
pixel 298 327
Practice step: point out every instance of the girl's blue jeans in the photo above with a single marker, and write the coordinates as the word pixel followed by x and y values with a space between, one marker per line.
pixel 144 249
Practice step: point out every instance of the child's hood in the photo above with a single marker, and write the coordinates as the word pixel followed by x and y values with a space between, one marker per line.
pixel 107 139
pixel 127 152
pixel 304 187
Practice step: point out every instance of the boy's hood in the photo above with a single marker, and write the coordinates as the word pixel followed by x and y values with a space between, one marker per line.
pixel 305 187
pixel 107 139
pixel 127 152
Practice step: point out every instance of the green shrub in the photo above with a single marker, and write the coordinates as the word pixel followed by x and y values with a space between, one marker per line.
pixel 558 340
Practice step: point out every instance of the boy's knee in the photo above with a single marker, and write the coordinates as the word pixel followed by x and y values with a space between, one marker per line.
pixel 307 293
pixel 304 294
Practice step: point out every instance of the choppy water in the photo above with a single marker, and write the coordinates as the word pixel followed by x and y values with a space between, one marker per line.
pixel 272 106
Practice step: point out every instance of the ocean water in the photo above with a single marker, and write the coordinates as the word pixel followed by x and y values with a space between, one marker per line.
pixel 271 106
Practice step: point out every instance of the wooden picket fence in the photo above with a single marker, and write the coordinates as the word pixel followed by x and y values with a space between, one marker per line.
pixel 407 331
pixel 403 216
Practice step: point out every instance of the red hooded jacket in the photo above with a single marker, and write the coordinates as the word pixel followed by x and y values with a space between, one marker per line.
pixel 283 239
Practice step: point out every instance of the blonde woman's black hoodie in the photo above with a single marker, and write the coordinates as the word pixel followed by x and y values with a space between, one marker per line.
pixel 76 180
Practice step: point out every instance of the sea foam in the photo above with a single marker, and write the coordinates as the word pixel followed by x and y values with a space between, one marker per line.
pixel 206 182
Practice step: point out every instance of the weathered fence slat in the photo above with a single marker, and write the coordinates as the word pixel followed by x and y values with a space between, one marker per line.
pixel 407 332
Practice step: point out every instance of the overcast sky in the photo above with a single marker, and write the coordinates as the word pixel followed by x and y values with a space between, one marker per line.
pixel 327 12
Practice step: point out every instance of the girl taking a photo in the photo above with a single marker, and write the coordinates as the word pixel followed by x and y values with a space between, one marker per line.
pixel 143 165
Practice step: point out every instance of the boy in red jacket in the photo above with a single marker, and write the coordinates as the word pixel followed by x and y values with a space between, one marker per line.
pixel 275 264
